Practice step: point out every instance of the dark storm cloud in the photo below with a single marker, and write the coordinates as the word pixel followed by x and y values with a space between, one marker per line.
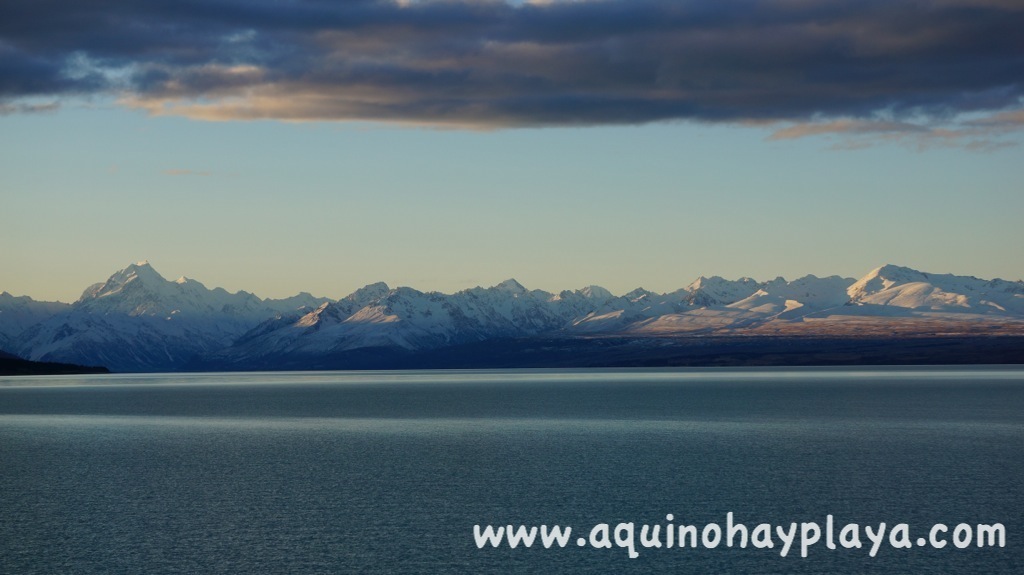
pixel 494 64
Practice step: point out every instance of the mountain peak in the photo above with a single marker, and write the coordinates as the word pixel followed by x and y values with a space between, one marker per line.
pixel 140 272
pixel 511 286
pixel 141 269
pixel 704 281
pixel 894 271
pixel 701 279
pixel 884 277
pixel 638 294
pixel 596 292
pixel 368 294
pixel 716 290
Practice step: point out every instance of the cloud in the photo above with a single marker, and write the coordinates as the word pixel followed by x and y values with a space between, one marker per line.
pixel 491 64
pixel 981 134
pixel 8 108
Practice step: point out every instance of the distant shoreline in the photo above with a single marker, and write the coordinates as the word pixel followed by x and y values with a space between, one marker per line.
pixel 620 351
pixel 624 352
pixel 17 366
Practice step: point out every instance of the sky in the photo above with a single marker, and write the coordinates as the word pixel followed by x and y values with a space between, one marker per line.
pixel 285 146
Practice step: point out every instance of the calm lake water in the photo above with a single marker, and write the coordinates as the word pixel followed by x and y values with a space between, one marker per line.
pixel 389 472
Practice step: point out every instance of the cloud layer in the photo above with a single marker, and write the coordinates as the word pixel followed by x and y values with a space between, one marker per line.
pixel 853 65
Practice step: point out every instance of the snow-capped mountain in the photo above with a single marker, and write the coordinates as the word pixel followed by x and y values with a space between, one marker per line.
pixel 137 320
pixel 789 300
pixel 139 291
pixel 302 302
pixel 910 289
pixel 20 313
pixel 404 318
pixel 716 291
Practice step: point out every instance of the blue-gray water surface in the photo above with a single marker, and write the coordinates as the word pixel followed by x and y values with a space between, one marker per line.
pixel 388 472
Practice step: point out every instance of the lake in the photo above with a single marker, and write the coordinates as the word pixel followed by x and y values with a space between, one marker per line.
pixel 388 472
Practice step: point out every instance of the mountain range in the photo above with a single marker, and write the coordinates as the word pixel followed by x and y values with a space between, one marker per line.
pixel 139 321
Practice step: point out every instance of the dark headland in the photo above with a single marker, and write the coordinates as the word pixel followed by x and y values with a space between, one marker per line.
pixel 14 365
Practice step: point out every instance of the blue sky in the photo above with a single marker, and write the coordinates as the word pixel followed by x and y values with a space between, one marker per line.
pixel 95 176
